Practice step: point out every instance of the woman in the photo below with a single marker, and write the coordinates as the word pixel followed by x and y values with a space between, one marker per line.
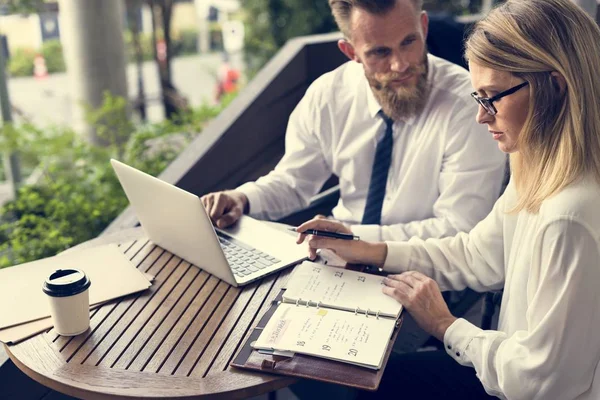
pixel 533 66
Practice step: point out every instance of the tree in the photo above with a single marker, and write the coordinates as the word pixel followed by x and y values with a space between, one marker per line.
pixel 270 23
pixel 133 7
pixel 162 11
pixel 23 6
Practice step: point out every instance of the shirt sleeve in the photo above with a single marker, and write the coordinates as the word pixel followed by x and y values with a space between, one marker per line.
pixel 303 169
pixel 556 354
pixel 474 259
pixel 469 182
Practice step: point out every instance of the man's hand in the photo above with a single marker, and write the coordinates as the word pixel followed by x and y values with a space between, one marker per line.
pixel 225 208
pixel 422 298
pixel 352 251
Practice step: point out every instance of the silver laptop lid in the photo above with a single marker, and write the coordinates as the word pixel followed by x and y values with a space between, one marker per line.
pixel 175 220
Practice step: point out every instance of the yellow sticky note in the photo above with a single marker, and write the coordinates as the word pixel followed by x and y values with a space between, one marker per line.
pixel 322 312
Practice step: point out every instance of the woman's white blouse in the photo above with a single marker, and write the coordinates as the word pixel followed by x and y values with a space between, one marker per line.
pixel 547 345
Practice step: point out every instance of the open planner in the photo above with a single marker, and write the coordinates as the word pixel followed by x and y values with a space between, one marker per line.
pixel 336 318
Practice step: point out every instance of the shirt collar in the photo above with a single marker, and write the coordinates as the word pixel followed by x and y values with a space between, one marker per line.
pixel 373 104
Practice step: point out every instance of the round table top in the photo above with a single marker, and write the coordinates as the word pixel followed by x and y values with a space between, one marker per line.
pixel 174 340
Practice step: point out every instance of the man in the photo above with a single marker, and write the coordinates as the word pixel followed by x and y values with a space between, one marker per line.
pixel 394 124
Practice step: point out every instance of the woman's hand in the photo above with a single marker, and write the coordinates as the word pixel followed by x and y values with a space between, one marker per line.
pixel 352 251
pixel 422 298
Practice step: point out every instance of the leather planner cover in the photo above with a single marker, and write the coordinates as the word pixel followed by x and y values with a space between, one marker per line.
pixel 304 366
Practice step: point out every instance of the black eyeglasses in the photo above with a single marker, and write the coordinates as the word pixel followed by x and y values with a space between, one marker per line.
pixel 487 102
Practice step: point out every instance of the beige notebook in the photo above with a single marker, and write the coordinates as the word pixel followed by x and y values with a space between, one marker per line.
pixel 110 271
pixel 18 333
pixel 332 313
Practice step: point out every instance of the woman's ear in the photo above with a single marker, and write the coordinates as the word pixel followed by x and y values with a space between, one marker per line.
pixel 559 82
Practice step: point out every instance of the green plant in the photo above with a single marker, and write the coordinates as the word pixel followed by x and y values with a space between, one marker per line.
pixel 145 44
pixel 271 23
pixel 53 54
pixel 111 120
pixel 79 194
pixel 21 62
pixel 185 42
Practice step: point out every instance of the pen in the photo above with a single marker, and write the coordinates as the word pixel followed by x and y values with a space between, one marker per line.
pixel 334 235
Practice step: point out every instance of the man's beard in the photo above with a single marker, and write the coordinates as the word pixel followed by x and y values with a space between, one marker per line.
pixel 403 102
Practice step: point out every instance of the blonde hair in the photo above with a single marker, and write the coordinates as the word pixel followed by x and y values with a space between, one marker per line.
pixel 560 140
pixel 342 10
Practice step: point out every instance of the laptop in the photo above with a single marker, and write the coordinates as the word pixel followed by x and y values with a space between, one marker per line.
pixel 177 221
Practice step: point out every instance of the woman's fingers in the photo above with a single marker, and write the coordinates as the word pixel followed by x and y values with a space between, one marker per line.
pixel 319 242
pixel 396 289
pixel 404 287
pixel 324 225
pixel 407 277
pixel 417 275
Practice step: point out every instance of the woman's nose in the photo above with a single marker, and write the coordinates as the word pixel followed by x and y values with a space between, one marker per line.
pixel 483 117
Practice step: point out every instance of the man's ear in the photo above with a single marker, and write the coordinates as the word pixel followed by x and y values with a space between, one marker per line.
pixel 347 48
pixel 558 80
pixel 424 23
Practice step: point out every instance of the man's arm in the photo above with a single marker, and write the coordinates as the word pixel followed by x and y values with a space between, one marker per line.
pixel 303 169
pixel 469 183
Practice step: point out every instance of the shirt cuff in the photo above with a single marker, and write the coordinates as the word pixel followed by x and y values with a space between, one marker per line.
pixel 457 339
pixel 252 192
pixel 370 233
pixel 398 257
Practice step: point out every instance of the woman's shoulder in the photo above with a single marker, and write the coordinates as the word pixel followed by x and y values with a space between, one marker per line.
pixel 579 201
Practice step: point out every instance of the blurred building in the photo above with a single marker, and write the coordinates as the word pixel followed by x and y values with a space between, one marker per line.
pixel 30 31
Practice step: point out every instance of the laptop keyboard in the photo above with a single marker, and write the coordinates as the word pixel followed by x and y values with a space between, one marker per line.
pixel 243 259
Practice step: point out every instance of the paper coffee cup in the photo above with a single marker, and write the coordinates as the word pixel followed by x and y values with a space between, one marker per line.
pixel 69 297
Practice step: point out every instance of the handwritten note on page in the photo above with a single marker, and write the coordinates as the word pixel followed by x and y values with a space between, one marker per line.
pixel 328 333
pixel 340 288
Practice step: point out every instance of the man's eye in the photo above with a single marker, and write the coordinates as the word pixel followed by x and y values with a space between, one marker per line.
pixel 381 52
pixel 408 42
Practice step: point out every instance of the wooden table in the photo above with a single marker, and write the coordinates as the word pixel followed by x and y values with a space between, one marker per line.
pixel 174 340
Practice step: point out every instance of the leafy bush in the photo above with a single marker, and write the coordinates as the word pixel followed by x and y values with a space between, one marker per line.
pixel 79 194
pixel 21 62
pixel 53 54
pixel 185 42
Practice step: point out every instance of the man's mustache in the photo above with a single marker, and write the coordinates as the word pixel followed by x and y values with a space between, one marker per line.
pixel 394 76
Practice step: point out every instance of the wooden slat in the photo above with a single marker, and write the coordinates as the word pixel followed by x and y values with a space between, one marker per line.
pixel 89 339
pixel 217 307
pixel 36 359
pixel 143 309
pixel 222 344
pixel 193 313
pixel 157 317
pixel 158 338
pixel 237 340
pixel 218 327
pixel 106 334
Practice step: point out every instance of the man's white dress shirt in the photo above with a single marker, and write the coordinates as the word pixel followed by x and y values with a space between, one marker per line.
pixel 547 345
pixel 446 170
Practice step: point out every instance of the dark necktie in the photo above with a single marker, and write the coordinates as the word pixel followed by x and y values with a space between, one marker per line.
pixel 379 174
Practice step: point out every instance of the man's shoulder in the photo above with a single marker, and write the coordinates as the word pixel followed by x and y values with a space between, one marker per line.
pixel 338 84
pixel 450 81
